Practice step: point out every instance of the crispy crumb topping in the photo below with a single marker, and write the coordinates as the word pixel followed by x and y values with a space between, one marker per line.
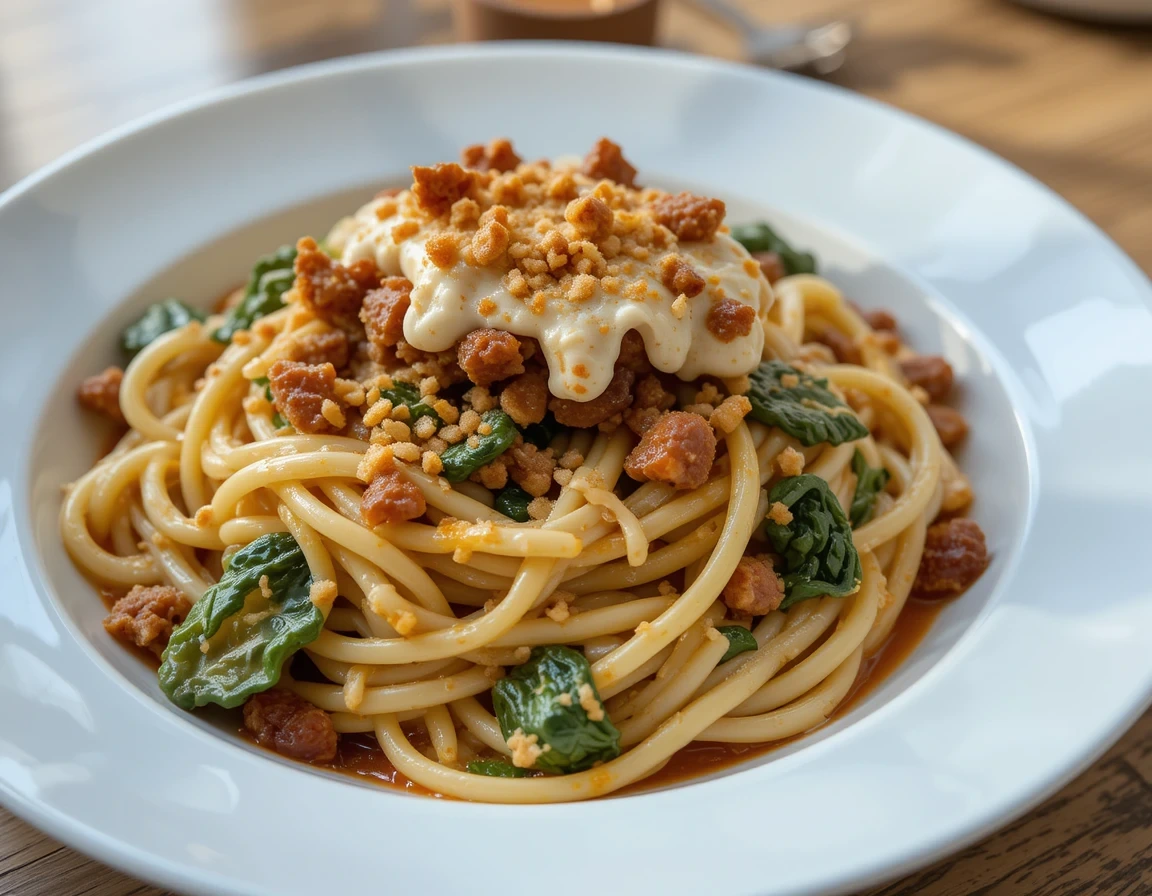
pixel 567 255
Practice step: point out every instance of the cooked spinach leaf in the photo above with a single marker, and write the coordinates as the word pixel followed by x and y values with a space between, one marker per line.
pixel 277 418
pixel 462 460
pixel 740 640
pixel 541 434
pixel 513 501
pixel 759 237
pixel 272 276
pixel 155 322
pixel 816 547
pixel 801 405
pixel 870 481
pixel 235 640
pixel 408 395
pixel 496 768
pixel 547 696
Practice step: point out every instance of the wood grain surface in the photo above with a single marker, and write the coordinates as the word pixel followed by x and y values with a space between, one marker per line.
pixel 1070 103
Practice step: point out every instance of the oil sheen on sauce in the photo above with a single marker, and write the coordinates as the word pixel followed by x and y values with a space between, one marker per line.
pixel 361 757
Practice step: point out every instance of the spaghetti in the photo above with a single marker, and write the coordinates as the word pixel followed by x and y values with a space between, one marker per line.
pixel 548 466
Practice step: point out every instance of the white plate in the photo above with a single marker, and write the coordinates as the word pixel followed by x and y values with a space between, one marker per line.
pixel 1019 685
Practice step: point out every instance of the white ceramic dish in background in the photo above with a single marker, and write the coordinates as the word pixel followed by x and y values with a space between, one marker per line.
pixel 1019 685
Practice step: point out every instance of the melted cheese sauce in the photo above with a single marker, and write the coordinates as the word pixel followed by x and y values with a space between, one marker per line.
pixel 580 339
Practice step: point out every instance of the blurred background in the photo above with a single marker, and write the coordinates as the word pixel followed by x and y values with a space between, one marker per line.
pixel 1069 101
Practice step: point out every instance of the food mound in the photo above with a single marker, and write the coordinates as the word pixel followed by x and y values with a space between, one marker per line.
pixel 527 477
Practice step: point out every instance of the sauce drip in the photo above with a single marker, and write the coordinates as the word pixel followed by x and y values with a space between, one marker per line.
pixel 579 310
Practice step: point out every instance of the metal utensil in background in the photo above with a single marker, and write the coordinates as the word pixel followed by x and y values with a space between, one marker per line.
pixel 813 48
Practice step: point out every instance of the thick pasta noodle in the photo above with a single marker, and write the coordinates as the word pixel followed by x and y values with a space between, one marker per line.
pixel 424 599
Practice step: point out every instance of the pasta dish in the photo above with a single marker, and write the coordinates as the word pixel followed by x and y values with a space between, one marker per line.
pixel 532 474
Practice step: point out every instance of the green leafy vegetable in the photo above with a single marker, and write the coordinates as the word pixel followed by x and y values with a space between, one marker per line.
pixel 801 405
pixel 513 501
pixel 272 276
pixel 496 768
pixel 546 697
pixel 277 418
pixel 760 237
pixel 462 460
pixel 870 481
pixel 155 322
pixel 740 640
pixel 248 635
pixel 816 547
pixel 541 434
pixel 408 395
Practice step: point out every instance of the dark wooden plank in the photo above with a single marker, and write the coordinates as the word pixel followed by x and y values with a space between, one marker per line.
pixel 33 864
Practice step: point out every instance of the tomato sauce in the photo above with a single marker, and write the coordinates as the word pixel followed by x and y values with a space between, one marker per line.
pixel 705 757
pixel 360 756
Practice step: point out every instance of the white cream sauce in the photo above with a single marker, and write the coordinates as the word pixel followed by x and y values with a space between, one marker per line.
pixel 580 340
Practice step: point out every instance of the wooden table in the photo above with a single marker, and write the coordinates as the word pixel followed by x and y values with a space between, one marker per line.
pixel 1070 103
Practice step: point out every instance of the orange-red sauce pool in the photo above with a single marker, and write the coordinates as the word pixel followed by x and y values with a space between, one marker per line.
pixel 360 756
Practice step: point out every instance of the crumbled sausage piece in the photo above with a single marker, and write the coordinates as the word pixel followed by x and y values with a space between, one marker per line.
pixel 330 290
pixel 531 468
pixel 355 428
pixel 754 588
pixel 101 393
pixel 931 373
pixel 954 557
pixel 633 354
pixel 146 615
pixel 880 320
pixel 496 156
pixel 583 414
pixel 436 188
pixel 300 390
pixel 590 216
pixel 525 399
pixel 330 347
pixel 679 449
pixel 605 160
pixel 843 347
pixel 949 422
pixel 651 400
pixel 290 725
pixel 679 277
pixel 391 498
pixel 688 216
pixel 488 355
pixel 383 314
pixel 729 319
pixel 771 264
